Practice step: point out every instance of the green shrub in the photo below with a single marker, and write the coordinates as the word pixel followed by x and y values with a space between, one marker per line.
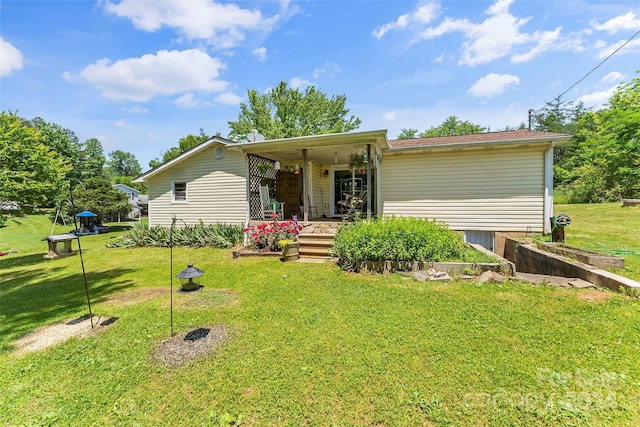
pixel 197 236
pixel 397 239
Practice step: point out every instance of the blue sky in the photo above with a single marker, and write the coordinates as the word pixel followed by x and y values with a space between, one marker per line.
pixel 140 74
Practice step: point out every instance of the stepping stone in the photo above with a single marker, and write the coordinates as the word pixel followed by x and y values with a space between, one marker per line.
pixel 581 284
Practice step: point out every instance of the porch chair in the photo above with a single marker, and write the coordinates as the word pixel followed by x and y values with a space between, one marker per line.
pixel 350 203
pixel 270 207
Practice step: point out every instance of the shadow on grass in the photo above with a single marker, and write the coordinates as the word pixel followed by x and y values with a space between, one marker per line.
pixel 29 299
pixel 17 260
pixel 119 228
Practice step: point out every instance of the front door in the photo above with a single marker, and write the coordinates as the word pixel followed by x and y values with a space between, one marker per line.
pixel 289 190
pixel 353 183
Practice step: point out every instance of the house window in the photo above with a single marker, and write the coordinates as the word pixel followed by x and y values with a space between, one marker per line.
pixel 179 191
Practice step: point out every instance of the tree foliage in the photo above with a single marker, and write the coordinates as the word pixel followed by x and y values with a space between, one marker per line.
pixel 184 144
pixel 449 127
pixel 602 161
pixel 62 141
pixel 121 163
pixel 91 160
pixel 407 133
pixel 285 112
pixel 96 195
pixel 452 126
pixel 31 171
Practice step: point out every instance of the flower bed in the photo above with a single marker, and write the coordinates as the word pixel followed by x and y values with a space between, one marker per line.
pixel 266 237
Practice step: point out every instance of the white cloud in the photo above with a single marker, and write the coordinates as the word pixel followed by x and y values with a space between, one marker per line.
pixel 11 58
pixel 614 77
pixel 299 83
pixel 389 116
pixel 136 109
pixel 498 35
pixel 329 68
pixel 546 40
pixel 122 124
pixel 629 21
pixel 228 98
pixel 223 25
pixel 422 15
pixel 163 74
pixel 599 98
pixel 260 53
pixel 188 100
pixel 493 84
pixel 632 47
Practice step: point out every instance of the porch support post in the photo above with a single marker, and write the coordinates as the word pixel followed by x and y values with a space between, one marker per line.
pixel 305 185
pixel 369 193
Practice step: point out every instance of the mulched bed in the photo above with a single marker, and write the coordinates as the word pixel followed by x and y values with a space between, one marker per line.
pixel 189 346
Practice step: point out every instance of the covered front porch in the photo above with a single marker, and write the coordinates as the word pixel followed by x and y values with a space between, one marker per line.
pixel 311 176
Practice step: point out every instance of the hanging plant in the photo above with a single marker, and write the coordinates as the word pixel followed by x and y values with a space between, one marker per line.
pixel 357 160
pixel 263 168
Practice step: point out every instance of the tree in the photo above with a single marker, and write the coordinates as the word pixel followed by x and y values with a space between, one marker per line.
pixel 452 126
pixel 123 164
pixel 96 195
pixel 407 133
pixel 286 112
pixel 61 140
pixel 91 160
pixel 604 163
pixel 31 172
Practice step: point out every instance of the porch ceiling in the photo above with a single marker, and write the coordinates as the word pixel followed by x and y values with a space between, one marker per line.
pixel 322 149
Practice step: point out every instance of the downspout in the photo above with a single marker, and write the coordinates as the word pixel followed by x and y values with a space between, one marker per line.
pixel 548 188
pixel 369 196
pixel 379 186
pixel 248 199
pixel 305 182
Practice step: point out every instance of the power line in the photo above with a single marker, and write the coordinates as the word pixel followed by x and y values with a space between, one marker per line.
pixel 597 66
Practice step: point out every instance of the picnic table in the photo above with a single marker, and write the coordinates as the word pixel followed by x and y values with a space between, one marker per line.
pixel 59 245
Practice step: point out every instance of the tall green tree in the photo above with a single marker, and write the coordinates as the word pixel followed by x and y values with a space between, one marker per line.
pixel 62 141
pixel 96 195
pixel 407 133
pixel 121 163
pixel 604 163
pixel 285 112
pixel 91 160
pixel 31 172
pixel 452 126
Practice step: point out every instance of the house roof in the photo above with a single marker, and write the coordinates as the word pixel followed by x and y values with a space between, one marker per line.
pixel 183 156
pixel 512 137
pixel 322 149
pixel 126 187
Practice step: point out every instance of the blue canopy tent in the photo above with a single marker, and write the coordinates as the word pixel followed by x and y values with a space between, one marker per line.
pixel 86 226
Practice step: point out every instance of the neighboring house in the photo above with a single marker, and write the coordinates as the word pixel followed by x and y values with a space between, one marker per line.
pixel 479 184
pixel 133 196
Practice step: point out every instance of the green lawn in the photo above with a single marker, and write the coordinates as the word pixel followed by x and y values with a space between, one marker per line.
pixel 309 345
pixel 609 228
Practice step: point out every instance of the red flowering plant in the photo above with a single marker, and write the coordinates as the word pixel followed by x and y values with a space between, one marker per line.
pixel 269 234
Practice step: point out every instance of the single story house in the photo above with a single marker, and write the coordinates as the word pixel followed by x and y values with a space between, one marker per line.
pixel 479 184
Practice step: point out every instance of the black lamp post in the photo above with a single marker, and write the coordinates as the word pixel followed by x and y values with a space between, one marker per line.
pixel 75 224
